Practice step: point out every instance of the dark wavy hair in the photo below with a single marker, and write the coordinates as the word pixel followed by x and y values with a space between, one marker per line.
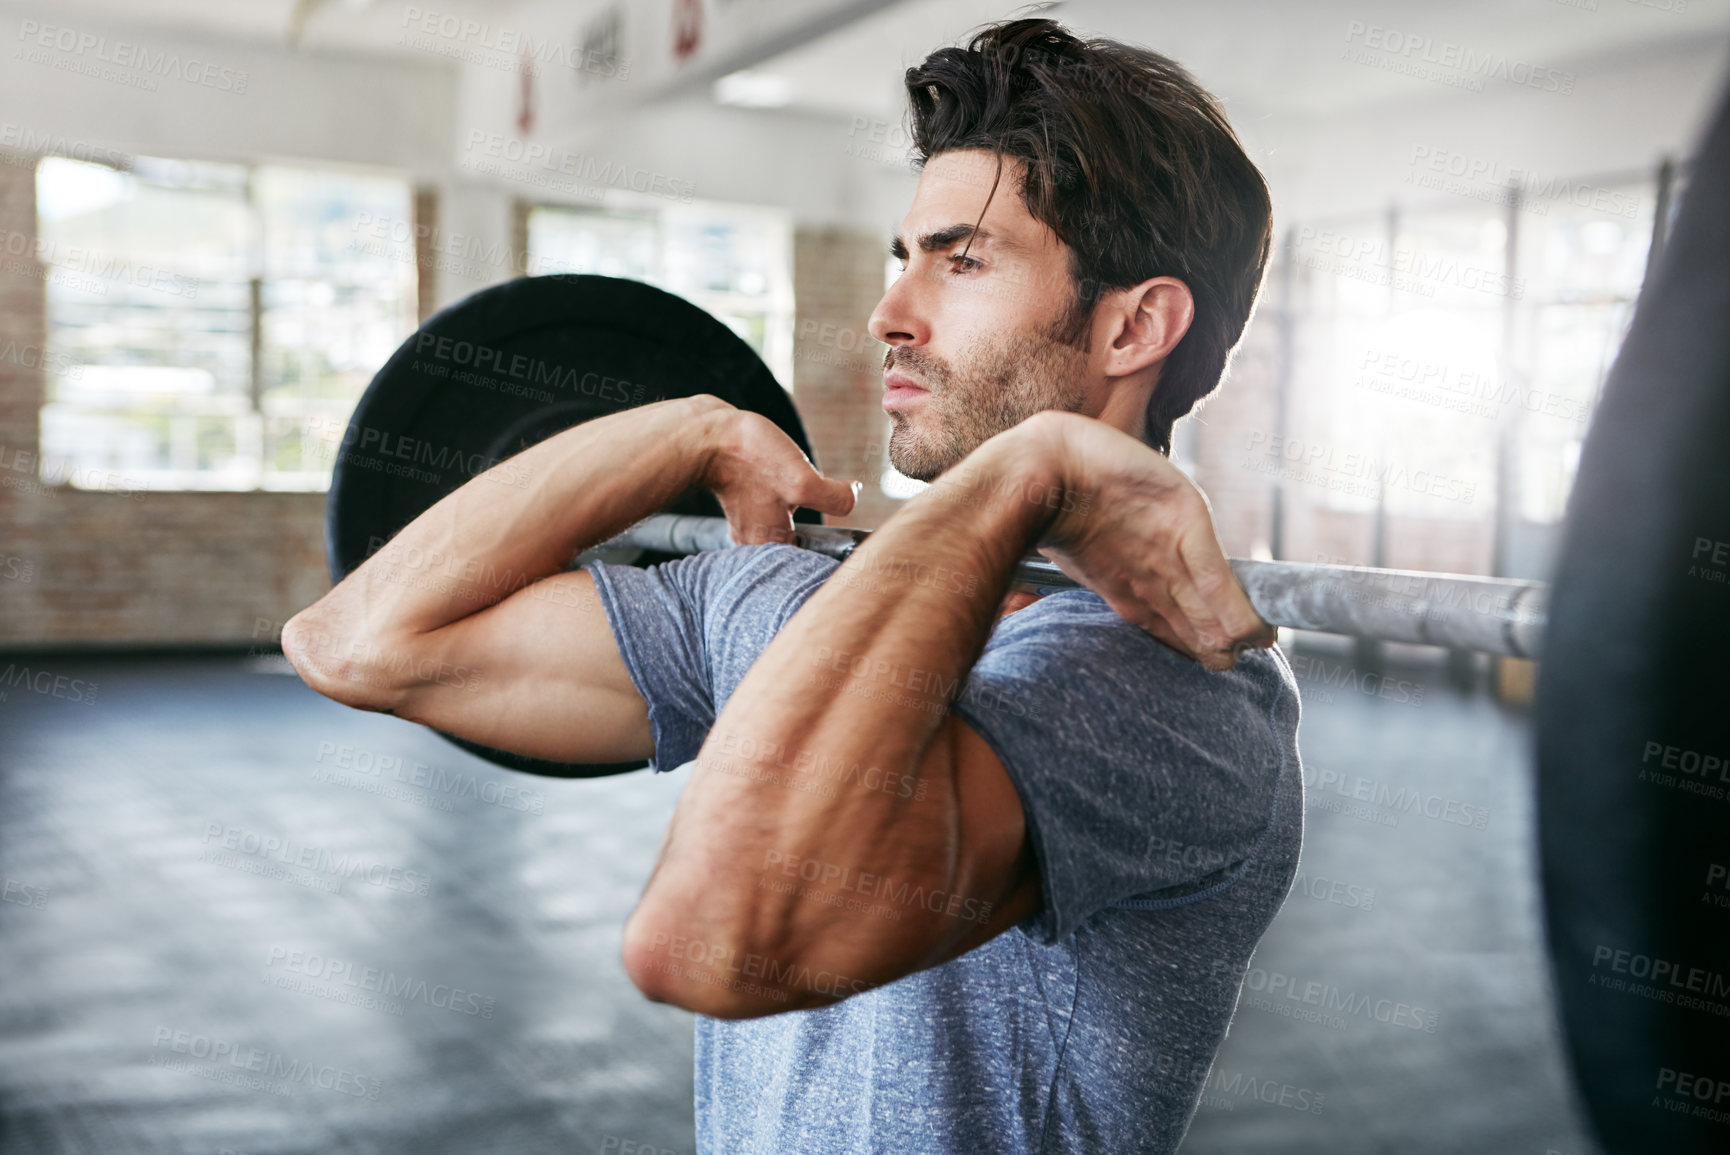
pixel 1130 162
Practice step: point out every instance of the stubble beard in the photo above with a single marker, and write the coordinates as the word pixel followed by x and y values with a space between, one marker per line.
pixel 997 389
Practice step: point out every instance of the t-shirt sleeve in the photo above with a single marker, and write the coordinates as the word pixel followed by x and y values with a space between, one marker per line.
pixel 1142 774
pixel 688 629
pixel 656 615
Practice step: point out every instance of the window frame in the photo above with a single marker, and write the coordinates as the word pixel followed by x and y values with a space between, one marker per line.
pixel 249 407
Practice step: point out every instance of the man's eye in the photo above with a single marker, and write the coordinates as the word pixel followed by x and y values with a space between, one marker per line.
pixel 964 264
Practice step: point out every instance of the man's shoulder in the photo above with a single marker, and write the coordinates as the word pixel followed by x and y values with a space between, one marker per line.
pixel 772 568
pixel 1075 633
pixel 747 585
pixel 721 572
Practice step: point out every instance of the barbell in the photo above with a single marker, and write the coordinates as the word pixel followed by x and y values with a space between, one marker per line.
pixel 1495 615
pixel 511 365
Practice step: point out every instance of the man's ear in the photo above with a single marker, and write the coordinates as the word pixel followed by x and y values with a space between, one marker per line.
pixel 1143 324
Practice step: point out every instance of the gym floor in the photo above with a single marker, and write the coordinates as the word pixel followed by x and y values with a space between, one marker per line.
pixel 260 923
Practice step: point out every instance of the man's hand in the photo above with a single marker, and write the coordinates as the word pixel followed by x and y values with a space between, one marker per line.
pixel 1140 535
pixel 760 477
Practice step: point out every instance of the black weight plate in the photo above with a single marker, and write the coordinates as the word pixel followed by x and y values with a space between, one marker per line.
pixel 1633 711
pixel 508 367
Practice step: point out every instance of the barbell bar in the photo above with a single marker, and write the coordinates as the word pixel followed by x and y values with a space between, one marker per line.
pixel 1495 615
pixel 516 363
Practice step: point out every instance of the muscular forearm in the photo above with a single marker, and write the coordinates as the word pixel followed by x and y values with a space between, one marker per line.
pixel 486 540
pixel 817 755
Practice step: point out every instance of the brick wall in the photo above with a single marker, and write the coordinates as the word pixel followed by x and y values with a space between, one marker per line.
pixel 1223 424
pixel 837 367
pixel 22 328
pixel 92 568
pixel 426 224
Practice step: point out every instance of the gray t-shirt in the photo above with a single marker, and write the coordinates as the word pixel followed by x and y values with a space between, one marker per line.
pixel 1165 807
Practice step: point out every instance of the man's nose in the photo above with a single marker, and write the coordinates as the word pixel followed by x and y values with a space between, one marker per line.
pixel 897 319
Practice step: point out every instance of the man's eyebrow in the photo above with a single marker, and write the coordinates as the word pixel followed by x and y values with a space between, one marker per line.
pixel 944 237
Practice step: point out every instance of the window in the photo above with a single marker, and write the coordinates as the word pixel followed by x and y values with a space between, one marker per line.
pixel 1396 314
pixel 1583 267
pixel 1426 338
pixel 734 261
pixel 212 325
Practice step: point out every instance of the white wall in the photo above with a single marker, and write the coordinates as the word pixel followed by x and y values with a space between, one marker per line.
pixel 1627 112
pixel 295 106
pixel 694 148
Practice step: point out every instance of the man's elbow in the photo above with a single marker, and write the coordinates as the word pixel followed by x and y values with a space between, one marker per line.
pixel 334 664
pixel 714 974
pixel 711 995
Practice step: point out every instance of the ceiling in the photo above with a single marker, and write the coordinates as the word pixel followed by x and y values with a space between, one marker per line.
pixel 1264 57
pixel 365 26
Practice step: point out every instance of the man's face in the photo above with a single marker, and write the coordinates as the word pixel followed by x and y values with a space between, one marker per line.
pixel 974 342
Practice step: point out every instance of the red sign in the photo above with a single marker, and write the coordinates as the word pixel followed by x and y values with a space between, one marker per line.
pixel 687 27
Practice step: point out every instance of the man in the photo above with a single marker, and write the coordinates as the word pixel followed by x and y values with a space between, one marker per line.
pixel 952 872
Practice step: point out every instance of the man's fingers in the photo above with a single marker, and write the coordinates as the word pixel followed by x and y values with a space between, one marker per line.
pixel 1245 628
pixel 759 523
pixel 1153 591
pixel 1228 607
pixel 1192 609
pixel 1202 624
pixel 829 494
